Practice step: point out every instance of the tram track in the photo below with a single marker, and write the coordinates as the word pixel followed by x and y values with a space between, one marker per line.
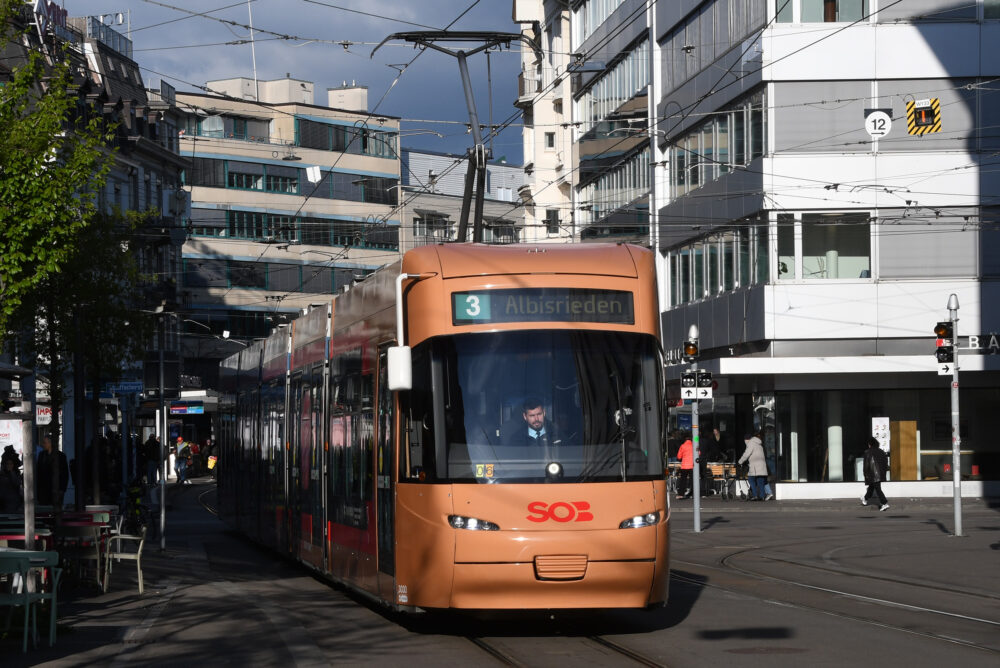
pixel 834 596
pixel 579 646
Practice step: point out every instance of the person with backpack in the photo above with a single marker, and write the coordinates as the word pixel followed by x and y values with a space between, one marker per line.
pixel 181 463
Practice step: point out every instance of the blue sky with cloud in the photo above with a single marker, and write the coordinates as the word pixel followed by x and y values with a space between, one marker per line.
pixel 329 42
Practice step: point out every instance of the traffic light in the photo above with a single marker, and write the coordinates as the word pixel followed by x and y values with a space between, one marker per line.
pixel 690 350
pixel 944 330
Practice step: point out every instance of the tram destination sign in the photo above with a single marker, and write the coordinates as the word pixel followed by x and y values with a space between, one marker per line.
pixel 543 305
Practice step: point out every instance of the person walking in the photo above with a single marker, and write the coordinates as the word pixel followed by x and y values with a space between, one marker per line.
pixel 757 473
pixel 181 463
pixel 686 454
pixel 52 476
pixel 151 453
pixel 875 466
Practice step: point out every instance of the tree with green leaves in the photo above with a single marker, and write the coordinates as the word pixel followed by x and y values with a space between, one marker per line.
pixel 53 162
pixel 70 284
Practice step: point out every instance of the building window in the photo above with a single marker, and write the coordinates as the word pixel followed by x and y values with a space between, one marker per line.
pixel 552 221
pixel 824 11
pixel 621 83
pixel 208 222
pixel 732 138
pixel 433 226
pixel 282 179
pixel 823 246
pixel 722 262
pixel 244 175
pixel 550 141
pixel 588 17
pixel 836 245
pixel 616 188
pixel 499 231
pixel 247 275
pixel 345 139
pixel 786 246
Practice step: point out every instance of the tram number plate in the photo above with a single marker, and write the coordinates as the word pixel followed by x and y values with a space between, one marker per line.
pixel 472 306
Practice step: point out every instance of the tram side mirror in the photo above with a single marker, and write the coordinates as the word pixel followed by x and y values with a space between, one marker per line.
pixel 400 368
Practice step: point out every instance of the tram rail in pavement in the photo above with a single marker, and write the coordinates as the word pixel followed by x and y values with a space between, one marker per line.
pixel 214 595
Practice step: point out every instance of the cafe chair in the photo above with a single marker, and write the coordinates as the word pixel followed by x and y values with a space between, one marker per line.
pixel 78 546
pixel 18 565
pixel 123 546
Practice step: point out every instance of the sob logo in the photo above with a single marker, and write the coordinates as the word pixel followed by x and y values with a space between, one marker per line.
pixel 560 511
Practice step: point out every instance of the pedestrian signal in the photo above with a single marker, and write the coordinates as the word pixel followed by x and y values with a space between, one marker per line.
pixel 945 354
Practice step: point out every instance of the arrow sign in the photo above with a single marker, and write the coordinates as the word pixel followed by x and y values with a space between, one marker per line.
pixel 945 369
pixel 688 393
pixel 704 393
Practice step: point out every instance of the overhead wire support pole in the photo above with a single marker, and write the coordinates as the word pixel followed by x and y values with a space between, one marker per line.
pixel 479 154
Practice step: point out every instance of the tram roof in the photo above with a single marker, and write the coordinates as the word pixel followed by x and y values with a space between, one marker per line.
pixel 461 260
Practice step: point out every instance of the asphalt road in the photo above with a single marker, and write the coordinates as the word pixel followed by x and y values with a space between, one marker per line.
pixel 766 584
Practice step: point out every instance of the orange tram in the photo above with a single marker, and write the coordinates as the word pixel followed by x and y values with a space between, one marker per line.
pixel 380 438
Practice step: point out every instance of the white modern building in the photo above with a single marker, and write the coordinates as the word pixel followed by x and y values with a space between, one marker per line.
pixel 823 183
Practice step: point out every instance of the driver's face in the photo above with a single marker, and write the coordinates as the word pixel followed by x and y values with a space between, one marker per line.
pixel 535 417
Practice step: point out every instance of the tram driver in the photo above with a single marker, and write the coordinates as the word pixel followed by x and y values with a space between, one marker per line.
pixel 534 428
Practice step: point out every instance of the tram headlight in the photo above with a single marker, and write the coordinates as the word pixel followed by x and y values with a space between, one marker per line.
pixel 471 523
pixel 640 521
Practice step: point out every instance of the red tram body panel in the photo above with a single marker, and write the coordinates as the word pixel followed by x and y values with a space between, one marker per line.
pixel 521 468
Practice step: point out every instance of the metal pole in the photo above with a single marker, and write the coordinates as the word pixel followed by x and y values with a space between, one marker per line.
pixel 470 102
pixel 695 446
pixel 28 461
pixel 161 423
pixel 956 436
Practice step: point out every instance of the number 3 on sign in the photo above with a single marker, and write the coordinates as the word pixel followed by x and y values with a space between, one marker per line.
pixel 472 308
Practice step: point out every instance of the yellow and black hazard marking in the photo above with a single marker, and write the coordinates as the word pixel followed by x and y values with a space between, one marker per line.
pixel 923 116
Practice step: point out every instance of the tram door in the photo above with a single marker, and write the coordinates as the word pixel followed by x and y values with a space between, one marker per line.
pixel 385 493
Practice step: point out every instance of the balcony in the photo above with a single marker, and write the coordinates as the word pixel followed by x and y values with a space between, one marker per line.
pixel 528 86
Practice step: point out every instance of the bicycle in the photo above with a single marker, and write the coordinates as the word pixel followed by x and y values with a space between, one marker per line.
pixel 135 513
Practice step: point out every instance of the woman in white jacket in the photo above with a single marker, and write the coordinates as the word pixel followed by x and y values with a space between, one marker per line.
pixel 757 475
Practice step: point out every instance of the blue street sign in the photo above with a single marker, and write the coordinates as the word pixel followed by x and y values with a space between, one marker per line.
pixel 124 387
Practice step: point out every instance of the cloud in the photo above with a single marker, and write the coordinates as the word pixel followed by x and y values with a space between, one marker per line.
pixel 429 90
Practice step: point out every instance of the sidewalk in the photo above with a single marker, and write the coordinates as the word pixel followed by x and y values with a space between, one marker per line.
pixel 715 503
pixel 96 628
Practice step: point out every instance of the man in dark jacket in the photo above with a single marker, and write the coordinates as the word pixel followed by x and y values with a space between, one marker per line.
pixel 875 466
pixel 533 429
pixel 52 475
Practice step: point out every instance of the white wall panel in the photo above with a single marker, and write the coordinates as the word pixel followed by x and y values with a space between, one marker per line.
pixel 881 51
pixel 910 308
pixel 822 310
pixel 799 181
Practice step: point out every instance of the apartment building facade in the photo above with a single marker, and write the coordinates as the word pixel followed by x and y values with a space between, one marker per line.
pixel 291 201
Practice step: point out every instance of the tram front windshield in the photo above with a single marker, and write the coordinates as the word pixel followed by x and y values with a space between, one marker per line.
pixel 536 406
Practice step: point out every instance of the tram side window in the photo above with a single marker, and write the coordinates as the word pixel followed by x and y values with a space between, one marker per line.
pixel 417 410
